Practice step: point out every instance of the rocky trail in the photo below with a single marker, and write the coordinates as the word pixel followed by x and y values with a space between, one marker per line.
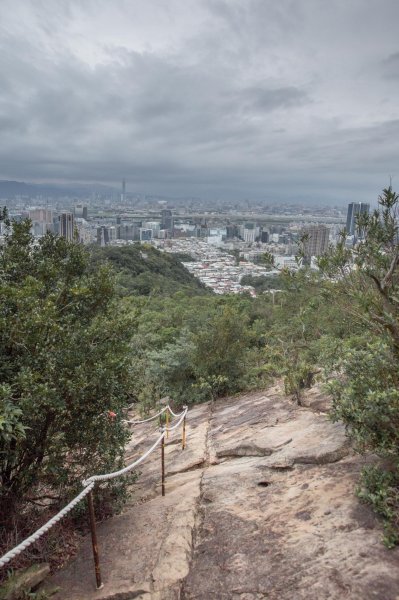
pixel 259 505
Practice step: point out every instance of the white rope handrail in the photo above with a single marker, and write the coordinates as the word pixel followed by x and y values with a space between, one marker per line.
pixel 53 521
pixel 182 415
pixel 174 414
pixel 107 476
pixel 88 486
pixel 154 416
pixel 149 418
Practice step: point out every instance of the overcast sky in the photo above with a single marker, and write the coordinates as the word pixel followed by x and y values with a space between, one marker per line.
pixel 232 99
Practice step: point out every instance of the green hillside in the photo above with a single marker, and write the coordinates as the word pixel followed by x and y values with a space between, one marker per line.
pixel 144 270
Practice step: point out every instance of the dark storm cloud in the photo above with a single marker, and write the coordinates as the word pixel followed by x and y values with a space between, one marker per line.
pixel 223 98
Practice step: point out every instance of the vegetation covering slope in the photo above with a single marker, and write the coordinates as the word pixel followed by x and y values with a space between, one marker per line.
pixel 87 332
pixel 144 270
pixel 65 361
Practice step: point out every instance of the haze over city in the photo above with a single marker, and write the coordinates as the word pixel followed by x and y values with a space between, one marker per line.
pixel 288 101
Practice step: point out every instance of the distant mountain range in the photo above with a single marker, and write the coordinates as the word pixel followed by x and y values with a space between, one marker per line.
pixel 9 189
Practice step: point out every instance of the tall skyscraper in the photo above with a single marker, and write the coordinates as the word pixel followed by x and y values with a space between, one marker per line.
pixel 316 242
pixel 67 225
pixel 123 193
pixel 355 209
pixel 167 221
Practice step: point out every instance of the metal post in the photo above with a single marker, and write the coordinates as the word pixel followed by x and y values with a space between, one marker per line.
pixel 167 423
pixel 183 440
pixel 163 464
pixel 94 544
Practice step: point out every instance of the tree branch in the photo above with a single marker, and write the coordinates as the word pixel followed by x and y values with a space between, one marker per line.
pixel 388 277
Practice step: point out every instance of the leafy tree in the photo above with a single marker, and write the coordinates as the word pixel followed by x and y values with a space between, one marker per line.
pixel 366 393
pixel 192 348
pixel 64 363
pixel 219 357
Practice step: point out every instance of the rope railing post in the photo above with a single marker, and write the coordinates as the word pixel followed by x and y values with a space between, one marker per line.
pixel 183 438
pixel 163 464
pixel 88 485
pixel 94 543
pixel 167 423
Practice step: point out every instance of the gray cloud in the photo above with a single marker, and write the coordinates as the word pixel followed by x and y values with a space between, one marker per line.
pixel 262 99
pixel 390 66
pixel 234 99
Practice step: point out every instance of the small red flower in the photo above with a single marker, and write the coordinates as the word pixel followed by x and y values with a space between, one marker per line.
pixel 111 415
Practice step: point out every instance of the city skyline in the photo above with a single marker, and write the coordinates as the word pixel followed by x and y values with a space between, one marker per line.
pixel 289 101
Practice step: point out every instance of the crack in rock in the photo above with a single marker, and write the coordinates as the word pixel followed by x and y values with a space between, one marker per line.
pixel 244 450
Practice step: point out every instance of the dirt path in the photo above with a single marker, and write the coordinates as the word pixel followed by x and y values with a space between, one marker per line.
pixel 259 505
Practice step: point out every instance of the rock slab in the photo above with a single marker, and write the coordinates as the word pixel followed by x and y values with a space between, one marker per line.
pixel 278 515
pixel 261 504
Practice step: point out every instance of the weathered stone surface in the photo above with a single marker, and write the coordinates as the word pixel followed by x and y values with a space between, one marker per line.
pixel 261 504
pixel 288 433
pixel 145 552
pixel 286 525
pixel 316 399
pixel 24 581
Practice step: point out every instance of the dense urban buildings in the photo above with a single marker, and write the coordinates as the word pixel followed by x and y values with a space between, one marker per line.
pixel 219 243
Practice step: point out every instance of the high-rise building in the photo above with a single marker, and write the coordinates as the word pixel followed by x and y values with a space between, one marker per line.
pixel 264 237
pixel 128 231
pixel 66 225
pixel 316 240
pixel 145 234
pixel 167 221
pixel 123 193
pixel 80 210
pixel 42 215
pixel 201 231
pixel 355 209
pixel 232 231
pixel 112 233
pixel 83 230
pixel 102 235
pixel 154 225
pixel 249 232
pixel 42 221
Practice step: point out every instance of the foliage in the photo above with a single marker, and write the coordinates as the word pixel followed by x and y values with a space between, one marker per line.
pixel 366 392
pixel 64 362
pixel 366 396
pixel 306 320
pixel 184 257
pixel 78 341
pixel 144 270
pixel 261 283
pixel 369 276
pixel 191 349
pixel 380 488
